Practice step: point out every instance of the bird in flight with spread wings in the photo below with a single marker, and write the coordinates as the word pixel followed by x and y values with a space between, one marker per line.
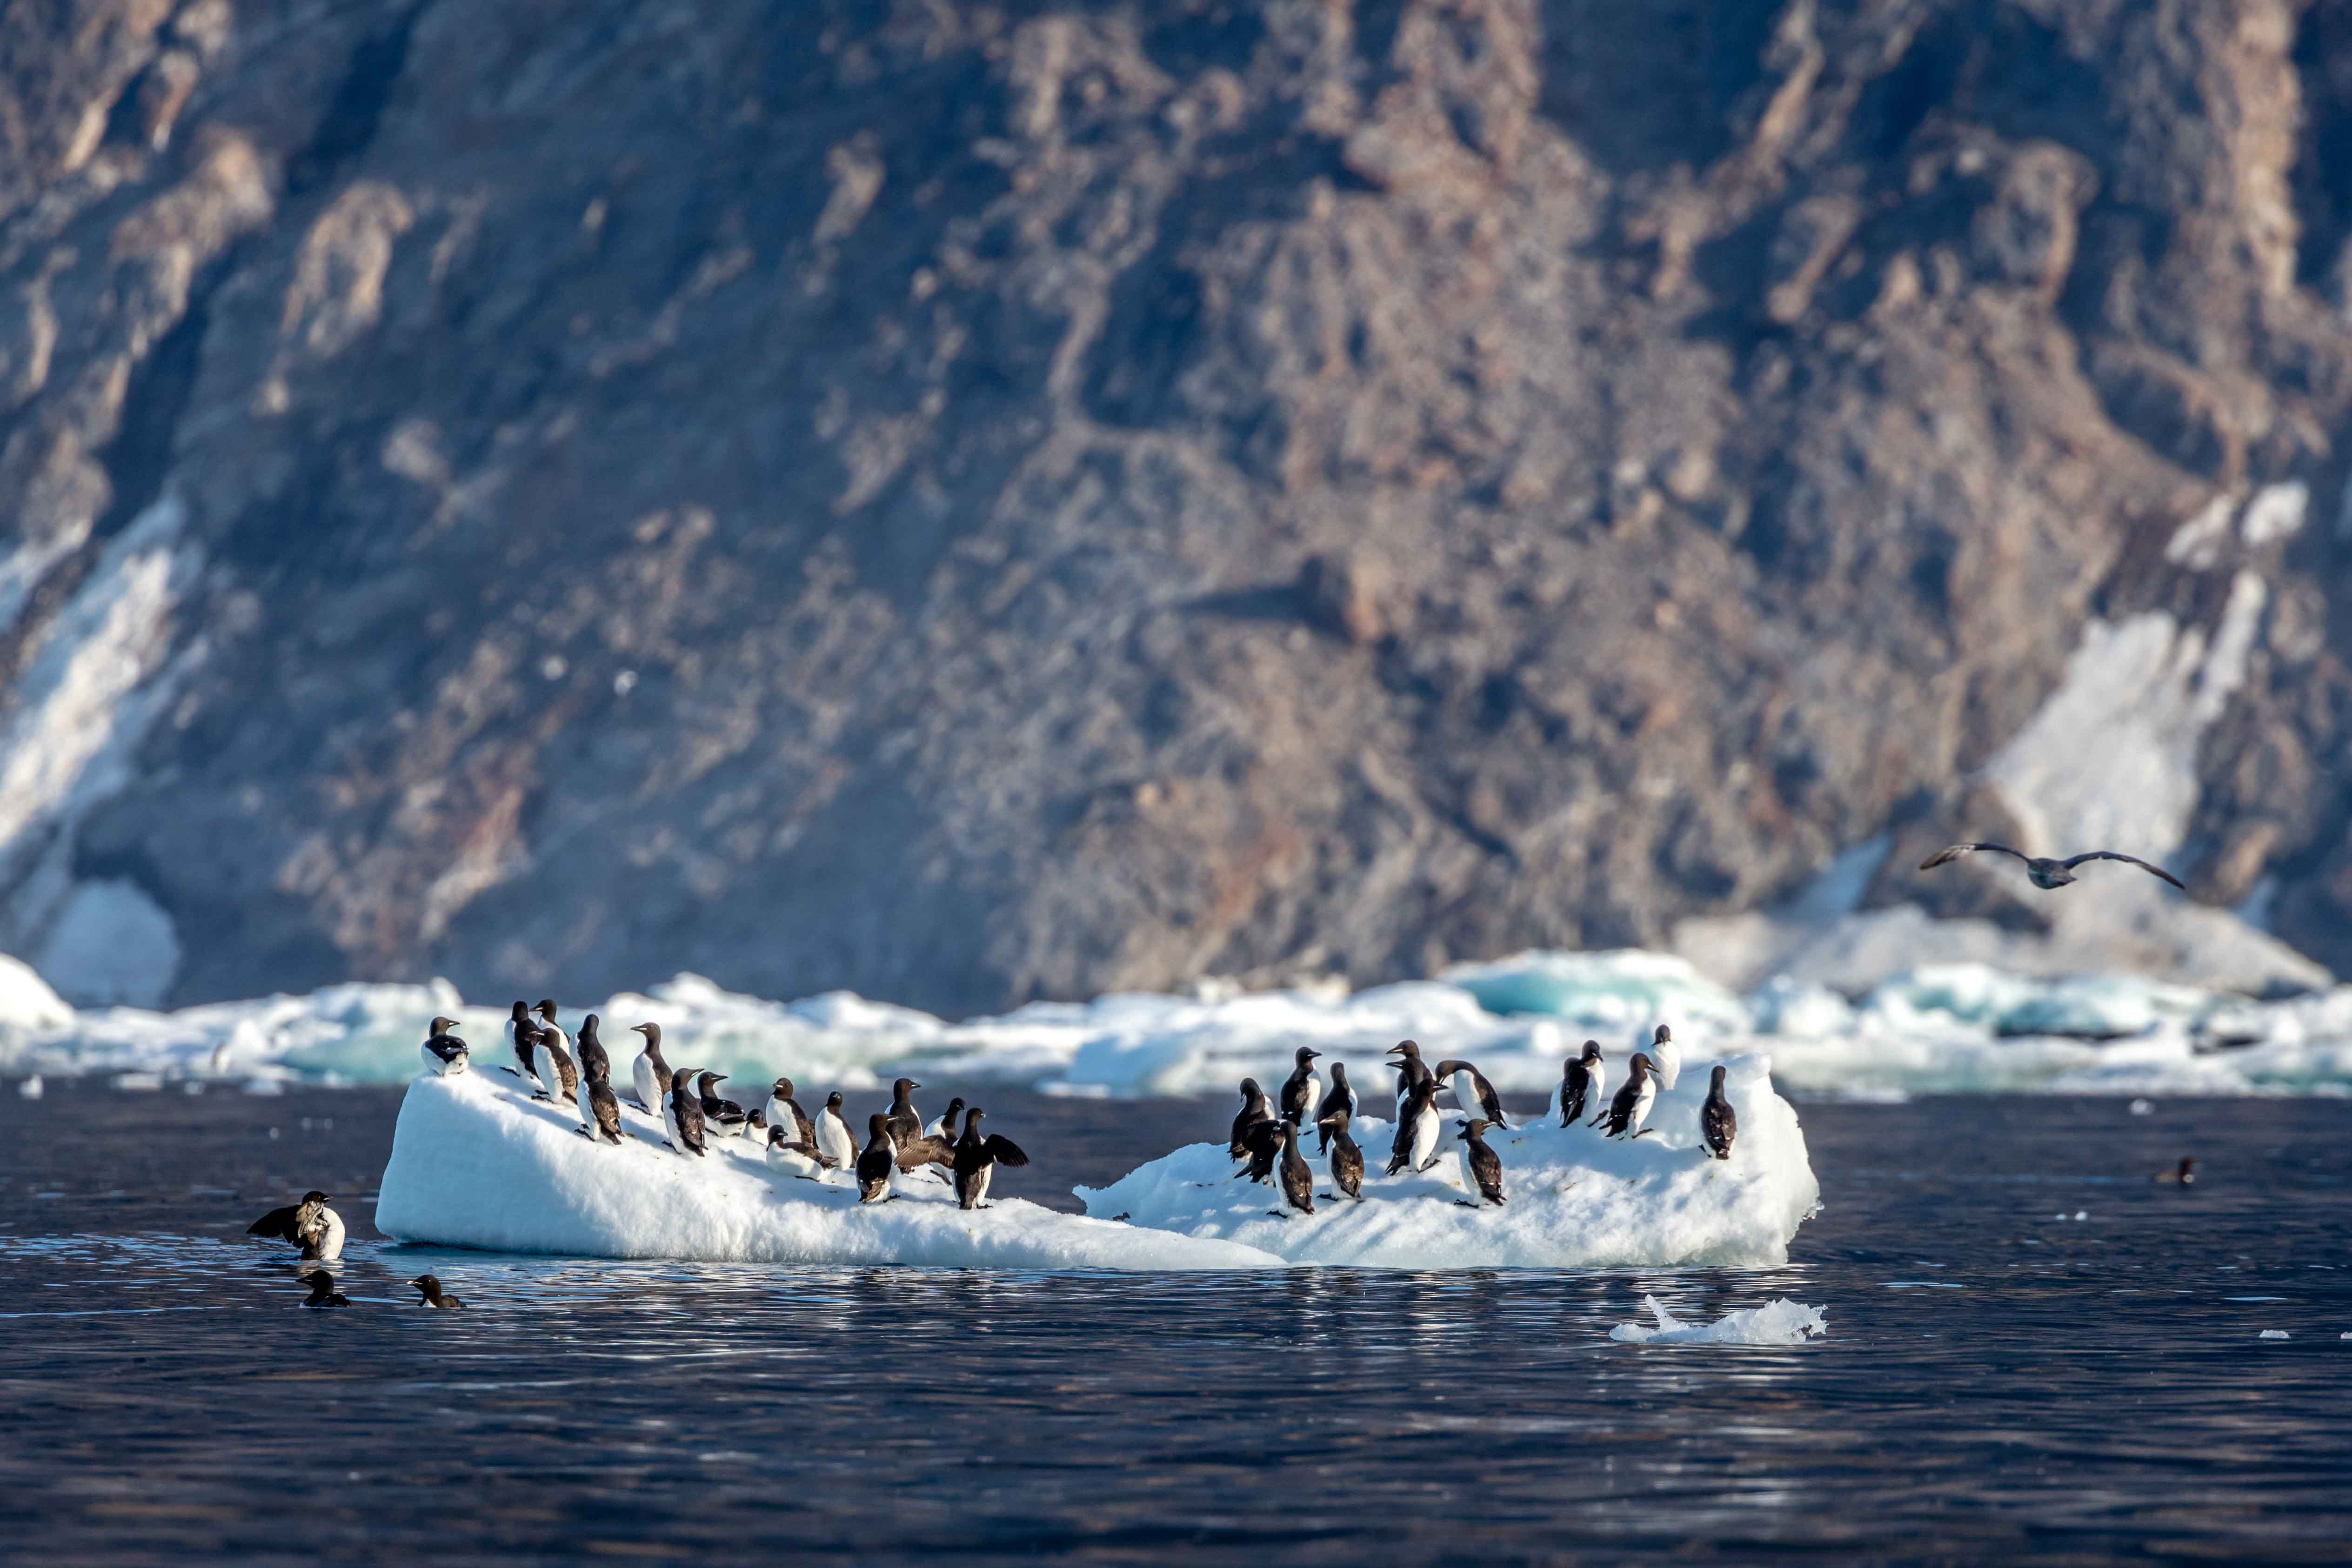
pixel 2046 873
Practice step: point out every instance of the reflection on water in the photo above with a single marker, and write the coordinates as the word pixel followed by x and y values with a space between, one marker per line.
pixel 1998 1381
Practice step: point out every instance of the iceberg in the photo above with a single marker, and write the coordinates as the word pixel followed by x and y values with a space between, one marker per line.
pixel 477 1164
pixel 1572 1198
pixel 1776 1322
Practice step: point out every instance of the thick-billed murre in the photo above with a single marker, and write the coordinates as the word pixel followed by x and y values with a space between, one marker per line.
pixel 977 1156
pixel 1471 1092
pixel 649 1072
pixel 1339 1101
pixel 1482 1168
pixel 432 1295
pixel 1630 1106
pixel 443 1052
pixel 682 1113
pixel 1302 1092
pixel 875 1165
pixel 1718 1124
pixel 1583 1084
pixel 1417 1129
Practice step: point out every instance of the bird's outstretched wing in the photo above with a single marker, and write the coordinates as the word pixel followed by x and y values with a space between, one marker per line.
pixel 1005 1152
pixel 1953 851
pixel 2128 860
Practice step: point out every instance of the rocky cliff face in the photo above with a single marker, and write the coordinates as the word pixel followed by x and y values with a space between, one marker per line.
pixel 971 502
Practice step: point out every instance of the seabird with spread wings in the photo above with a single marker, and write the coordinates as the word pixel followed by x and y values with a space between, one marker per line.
pixel 2046 873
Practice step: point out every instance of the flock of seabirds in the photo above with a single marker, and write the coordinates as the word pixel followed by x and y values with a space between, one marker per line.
pixel 560 1070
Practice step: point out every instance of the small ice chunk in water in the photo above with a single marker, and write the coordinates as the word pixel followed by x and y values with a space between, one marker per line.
pixel 32 1088
pixel 2142 1107
pixel 1776 1322
pixel 2276 1334
pixel 2082 1214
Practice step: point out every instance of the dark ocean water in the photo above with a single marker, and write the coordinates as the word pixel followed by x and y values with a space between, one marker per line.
pixel 1999 1382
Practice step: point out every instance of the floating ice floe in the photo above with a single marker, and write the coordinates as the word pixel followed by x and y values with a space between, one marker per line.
pixel 2276 1334
pixel 1572 1198
pixel 1776 1322
pixel 476 1163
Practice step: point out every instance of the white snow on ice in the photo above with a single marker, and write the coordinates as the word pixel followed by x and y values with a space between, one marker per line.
pixel 1776 1322
pixel 1571 1198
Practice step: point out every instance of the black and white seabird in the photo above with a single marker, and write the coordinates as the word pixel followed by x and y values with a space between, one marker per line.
pixel 520 1028
pixel 1718 1124
pixel 945 1126
pixel 1347 1159
pixel 1415 1148
pixel 1583 1088
pixel 322 1289
pixel 1630 1107
pixel 2184 1176
pixel 682 1113
pixel 906 1122
pixel 1302 1092
pixel 2046 873
pixel 1255 1108
pixel 1297 1176
pixel 721 1118
pixel 311 1225
pixel 1471 1092
pixel 832 1136
pixel 1482 1168
pixel 796 1157
pixel 1411 1069
pixel 784 1112
pixel 599 1113
pixel 589 1052
pixel 879 1160
pixel 546 1010
pixel 559 1078
pixel 433 1295
pixel 443 1052
pixel 1261 1146
pixel 1339 1101
pixel 651 1073
pixel 1666 1057
pixel 977 1157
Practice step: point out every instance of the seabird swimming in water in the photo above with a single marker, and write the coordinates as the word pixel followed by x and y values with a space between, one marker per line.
pixel 1302 1092
pixel 1347 1159
pixel 2046 872
pixel 879 1160
pixel 1482 1168
pixel 1666 1058
pixel 322 1289
pixel 1471 1092
pixel 906 1122
pixel 2185 1176
pixel 310 1225
pixel 977 1157
pixel 1718 1124
pixel 1634 1097
pixel 1255 1108
pixel 721 1118
pixel 650 1071
pixel 443 1052
pixel 1339 1101
pixel 1417 1128
pixel 1411 1069
pixel 1297 1176
pixel 784 1112
pixel 682 1113
pixel 1581 1087
pixel 833 1134
pixel 433 1295
pixel 519 1030
pixel 589 1051
pixel 945 1126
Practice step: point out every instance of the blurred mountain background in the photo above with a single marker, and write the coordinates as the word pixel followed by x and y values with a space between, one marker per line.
pixel 975 502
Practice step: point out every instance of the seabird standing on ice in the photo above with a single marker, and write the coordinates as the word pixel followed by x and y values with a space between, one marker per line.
pixel 945 1126
pixel 599 1113
pixel 927 1151
pixel 433 1295
pixel 443 1052
pixel 784 1114
pixel 832 1136
pixel 1666 1058
pixel 721 1118
pixel 519 1030
pixel 1471 1092
pixel 650 1071
pixel 1297 1176
pixel 1302 1092
pixel 906 1122
pixel 1583 1087
pixel 546 1010
pixel 1634 1097
pixel 879 1160
pixel 1411 1068
pixel 322 1289
pixel 559 1078
pixel 1261 1146
pixel 1417 1127
pixel 1482 1168
pixel 2046 873
pixel 1347 1159
pixel 977 1157
pixel 1718 1124
pixel 682 1113
pixel 1255 1108
pixel 1339 1101
pixel 800 1157
pixel 589 1051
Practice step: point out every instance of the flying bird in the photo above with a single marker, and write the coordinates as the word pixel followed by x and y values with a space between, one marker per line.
pixel 2046 873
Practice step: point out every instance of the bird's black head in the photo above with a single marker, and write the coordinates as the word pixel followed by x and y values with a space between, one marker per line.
pixel 314 1195
pixel 707 1079
pixel 1340 1073
pixel 547 1008
pixel 1250 1090
pixel 776 1136
pixel 441 1025
pixel 1305 1056
pixel 1639 1066
pixel 588 1026
pixel 877 1126
pixel 682 1077
pixel 652 1031
pixel 904 1087
pixel 1591 1051
pixel 972 1119
pixel 428 1284
pixel 1450 1066
pixel 1403 1047
pixel 1717 1077
pixel 832 1101
pixel 1664 1035
pixel 955 1108
pixel 521 1011
pixel 1474 1128
pixel 781 1088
